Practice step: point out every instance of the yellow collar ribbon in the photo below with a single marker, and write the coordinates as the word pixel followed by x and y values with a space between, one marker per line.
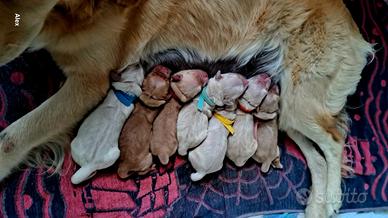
pixel 226 122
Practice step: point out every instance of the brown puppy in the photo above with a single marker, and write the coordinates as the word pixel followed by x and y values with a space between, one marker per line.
pixel 135 137
pixel 312 47
pixel 185 85
pixel 267 151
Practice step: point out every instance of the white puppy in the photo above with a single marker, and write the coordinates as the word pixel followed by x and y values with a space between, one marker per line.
pixel 192 125
pixel 243 144
pixel 208 157
pixel 193 118
pixel 96 145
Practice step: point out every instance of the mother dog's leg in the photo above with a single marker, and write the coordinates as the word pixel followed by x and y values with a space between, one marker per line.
pixel 79 94
pixel 318 169
pixel 325 133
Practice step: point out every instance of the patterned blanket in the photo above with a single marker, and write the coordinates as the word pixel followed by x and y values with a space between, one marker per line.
pixel 33 77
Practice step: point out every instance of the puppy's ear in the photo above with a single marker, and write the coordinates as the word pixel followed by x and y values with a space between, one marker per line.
pixel 202 77
pixel 267 83
pixel 218 75
pixel 245 82
pixel 215 92
pixel 115 75
pixel 264 80
pixel 275 90
pixel 203 80
pixel 151 102
pixel 178 93
pixel 265 115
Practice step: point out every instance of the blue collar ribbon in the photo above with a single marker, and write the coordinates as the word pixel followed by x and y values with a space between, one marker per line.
pixel 124 97
pixel 203 97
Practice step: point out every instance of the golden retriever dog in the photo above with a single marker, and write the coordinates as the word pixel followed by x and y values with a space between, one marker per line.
pixel 311 47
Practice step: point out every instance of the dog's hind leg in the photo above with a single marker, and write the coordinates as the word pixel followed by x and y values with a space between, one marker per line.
pixel 57 115
pixel 326 136
pixel 318 169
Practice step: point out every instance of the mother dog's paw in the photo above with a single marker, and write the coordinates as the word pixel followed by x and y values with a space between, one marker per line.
pixel 6 144
pixel 7 154
pixel 315 210
pixel 334 203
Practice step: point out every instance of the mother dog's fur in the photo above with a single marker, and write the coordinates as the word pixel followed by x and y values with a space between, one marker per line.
pixel 311 46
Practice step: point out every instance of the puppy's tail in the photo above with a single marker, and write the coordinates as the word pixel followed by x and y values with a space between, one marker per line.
pixel 83 174
pixel 182 150
pixel 265 166
pixel 164 158
pixel 197 176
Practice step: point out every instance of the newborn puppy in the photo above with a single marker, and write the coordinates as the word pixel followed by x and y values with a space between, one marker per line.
pixel 135 137
pixel 222 89
pixel 242 144
pixel 185 86
pixel 267 151
pixel 96 145
pixel 208 157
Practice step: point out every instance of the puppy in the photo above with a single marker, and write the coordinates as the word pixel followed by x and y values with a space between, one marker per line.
pixel 242 144
pixel 185 85
pixel 208 157
pixel 96 145
pixel 135 137
pixel 267 151
pixel 193 118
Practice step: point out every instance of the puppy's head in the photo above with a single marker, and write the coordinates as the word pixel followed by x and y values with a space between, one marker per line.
pixel 129 79
pixel 256 91
pixel 20 23
pixel 226 88
pixel 131 74
pixel 187 84
pixel 156 87
pixel 271 101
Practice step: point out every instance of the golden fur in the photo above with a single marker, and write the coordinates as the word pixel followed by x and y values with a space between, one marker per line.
pixel 321 55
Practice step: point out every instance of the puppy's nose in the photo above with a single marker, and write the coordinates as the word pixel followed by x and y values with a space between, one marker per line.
pixel 176 77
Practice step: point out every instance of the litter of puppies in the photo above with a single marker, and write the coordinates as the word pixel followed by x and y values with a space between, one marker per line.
pixel 207 118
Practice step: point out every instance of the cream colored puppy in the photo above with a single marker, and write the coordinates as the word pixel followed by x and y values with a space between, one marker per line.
pixel 242 144
pixel 268 152
pixel 96 145
pixel 208 157
pixel 193 118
